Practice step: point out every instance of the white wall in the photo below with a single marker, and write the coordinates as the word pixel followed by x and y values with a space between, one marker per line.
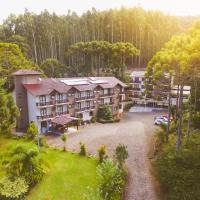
pixel 33 111
pixel 86 116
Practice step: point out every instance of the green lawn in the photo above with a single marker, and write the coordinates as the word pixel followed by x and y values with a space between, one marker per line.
pixel 67 177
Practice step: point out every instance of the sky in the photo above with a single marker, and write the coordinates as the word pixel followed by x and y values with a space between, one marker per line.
pixel 60 7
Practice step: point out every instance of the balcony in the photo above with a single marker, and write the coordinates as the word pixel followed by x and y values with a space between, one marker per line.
pixel 61 101
pixel 62 113
pixel 136 88
pixel 90 97
pixel 44 117
pixel 44 104
pixel 106 95
pixel 108 104
pixel 136 81
pixel 84 109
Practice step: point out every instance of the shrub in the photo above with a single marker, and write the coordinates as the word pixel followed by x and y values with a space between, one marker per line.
pixel 110 180
pixel 102 152
pixel 32 131
pixel 42 141
pixel 128 106
pixel 196 120
pixel 24 160
pixel 121 154
pixel 93 120
pixel 83 151
pixel 13 188
pixel 178 173
pixel 104 113
pixel 92 194
pixel 64 139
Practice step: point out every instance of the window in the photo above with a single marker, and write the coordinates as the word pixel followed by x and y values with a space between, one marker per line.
pixel 42 99
pixel 120 106
pixel 60 97
pixel 43 111
pixel 91 113
pixel 87 103
pixel 59 109
pixel 87 93
pixel 102 101
pixel 78 105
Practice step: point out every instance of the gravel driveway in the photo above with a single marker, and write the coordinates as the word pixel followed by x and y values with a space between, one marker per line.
pixel 135 131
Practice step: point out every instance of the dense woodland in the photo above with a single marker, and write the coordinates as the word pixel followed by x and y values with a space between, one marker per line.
pixel 50 36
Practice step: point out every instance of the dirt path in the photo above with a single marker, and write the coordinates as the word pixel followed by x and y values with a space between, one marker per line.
pixel 135 131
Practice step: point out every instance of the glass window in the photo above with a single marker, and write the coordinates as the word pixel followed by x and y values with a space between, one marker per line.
pixel 42 99
pixel 43 111
pixel 60 109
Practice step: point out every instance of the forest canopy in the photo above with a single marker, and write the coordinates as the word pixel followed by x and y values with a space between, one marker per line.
pixel 50 36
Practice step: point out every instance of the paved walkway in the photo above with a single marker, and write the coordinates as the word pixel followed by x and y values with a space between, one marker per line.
pixel 135 131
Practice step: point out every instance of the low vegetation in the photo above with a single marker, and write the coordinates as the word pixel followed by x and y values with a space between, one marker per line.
pixel 61 172
pixel 178 172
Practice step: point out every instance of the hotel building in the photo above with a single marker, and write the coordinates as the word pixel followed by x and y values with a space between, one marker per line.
pixel 49 100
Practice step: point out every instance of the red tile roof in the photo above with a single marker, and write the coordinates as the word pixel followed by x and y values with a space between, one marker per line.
pixel 48 85
pixel 62 120
pixel 22 72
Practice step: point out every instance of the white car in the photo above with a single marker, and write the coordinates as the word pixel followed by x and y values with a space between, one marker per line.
pixel 159 121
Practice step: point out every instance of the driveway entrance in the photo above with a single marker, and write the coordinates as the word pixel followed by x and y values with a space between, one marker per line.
pixel 135 131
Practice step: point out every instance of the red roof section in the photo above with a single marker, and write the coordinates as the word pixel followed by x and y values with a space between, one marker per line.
pixel 48 85
pixel 22 72
pixel 62 120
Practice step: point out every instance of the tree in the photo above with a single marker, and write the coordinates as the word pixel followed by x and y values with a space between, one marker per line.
pixel 64 139
pixel 83 151
pixel 24 161
pixel 13 188
pixel 104 113
pixel 53 68
pixel 11 60
pixel 32 131
pixel 102 152
pixel 22 43
pixel 8 111
pixel 121 154
pixel 110 180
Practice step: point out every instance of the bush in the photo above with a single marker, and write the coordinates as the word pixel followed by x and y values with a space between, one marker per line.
pixel 24 161
pixel 13 188
pixel 104 113
pixel 102 152
pixel 103 121
pixel 32 131
pixel 110 180
pixel 121 154
pixel 83 151
pixel 92 194
pixel 42 141
pixel 178 173
pixel 93 120
pixel 64 139
pixel 128 106
pixel 196 120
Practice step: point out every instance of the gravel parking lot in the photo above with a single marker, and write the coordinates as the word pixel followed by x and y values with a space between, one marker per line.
pixel 135 131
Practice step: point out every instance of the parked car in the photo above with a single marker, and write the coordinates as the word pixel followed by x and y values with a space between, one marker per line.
pixel 160 120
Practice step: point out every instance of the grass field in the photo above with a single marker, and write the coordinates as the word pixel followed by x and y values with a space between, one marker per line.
pixel 68 175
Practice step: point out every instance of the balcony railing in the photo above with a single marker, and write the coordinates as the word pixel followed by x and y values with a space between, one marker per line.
pixel 136 81
pixel 62 113
pixel 136 88
pixel 43 117
pixel 107 95
pixel 84 98
pixel 61 101
pixel 44 103
pixel 109 103
pixel 84 108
